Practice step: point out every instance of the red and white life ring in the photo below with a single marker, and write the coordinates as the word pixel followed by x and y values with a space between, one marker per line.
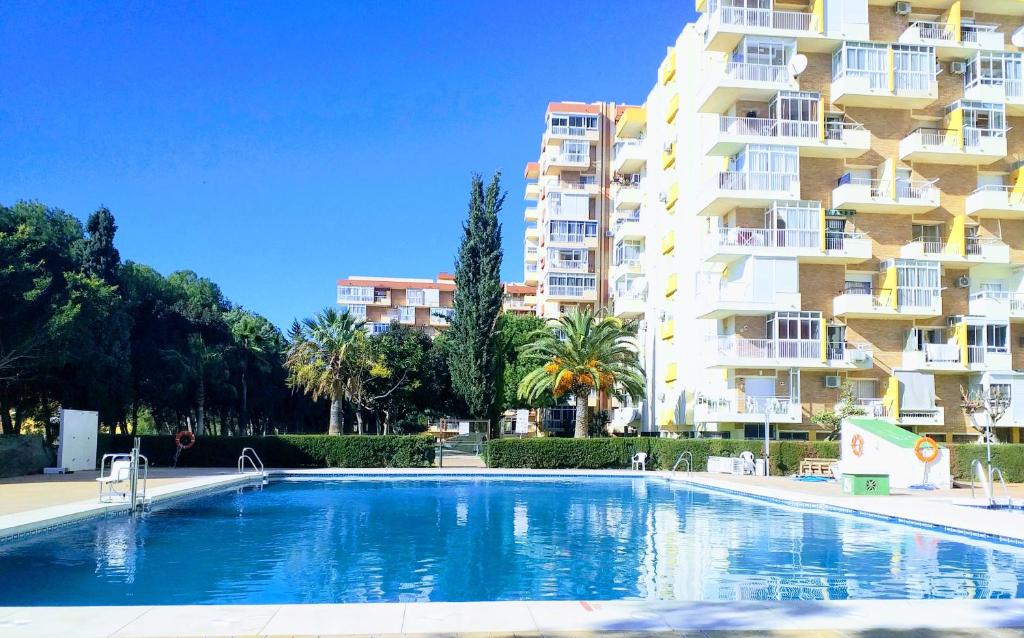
pixel 184 434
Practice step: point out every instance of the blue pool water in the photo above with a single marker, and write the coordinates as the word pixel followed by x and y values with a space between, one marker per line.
pixel 492 539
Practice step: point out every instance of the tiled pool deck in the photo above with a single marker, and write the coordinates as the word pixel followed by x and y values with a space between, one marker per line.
pixel 850 618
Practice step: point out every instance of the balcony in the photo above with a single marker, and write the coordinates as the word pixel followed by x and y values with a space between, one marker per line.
pixel 731 244
pixel 631 123
pixel 441 316
pixel 996 201
pixel 734 189
pixel 626 266
pixel 953 40
pixel 743 81
pixel 882 90
pixel 530 273
pixel 628 226
pixel 878 409
pixel 530 253
pixel 717 299
pixel 948 358
pixel 589 187
pixel 947 146
pixel 532 234
pixel 727 25
pixel 730 407
pixel 572 293
pixel 531 214
pixel 532 191
pixel 628 156
pixel 732 351
pixel 628 196
pixel 866 195
pixel 997 304
pixel 555 161
pixel 840 139
pixel 861 302
pixel 377 327
pixel 974 250
pixel 558 133
pixel 630 303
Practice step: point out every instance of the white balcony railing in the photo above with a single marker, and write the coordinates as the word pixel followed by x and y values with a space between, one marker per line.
pixel 767 237
pixel 1015 300
pixel 907 298
pixel 768 127
pixel 1014 197
pixel 841 241
pixel 755 181
pixel 623 146
pixel 571 291
pixel 567 264
pixel 763 19
pixel 905 188
pixel 571 131
pixel 748 72
pixel 732 346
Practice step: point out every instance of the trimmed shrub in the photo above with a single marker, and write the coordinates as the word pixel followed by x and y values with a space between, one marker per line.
pixel 1007 456
pixel 24 454
pixel 284 451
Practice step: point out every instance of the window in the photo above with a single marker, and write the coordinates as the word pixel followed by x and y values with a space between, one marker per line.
pixel 356 294
pixel 571 285
pixel 568 258
pixel 629 251
pixel 629 285
pixel 913 67
pixel 995 69
pixel 441 316
pixel 929 236
pixel 996 338
pixel 407 314
pixel 789 435
pixel 794 325
pixel 864 388
pixel 756 431
pixel 862 60
pixel 764 51
pixel 357 311
pixel 576 152
pixel 571 231
pixel 415 297
pixel 565 124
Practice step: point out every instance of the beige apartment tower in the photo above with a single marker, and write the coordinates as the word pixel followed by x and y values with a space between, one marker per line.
pixel 833 201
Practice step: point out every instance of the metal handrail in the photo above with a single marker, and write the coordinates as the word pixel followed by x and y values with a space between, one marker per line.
pixel 688 457
pixel 253 460
pixel 993 471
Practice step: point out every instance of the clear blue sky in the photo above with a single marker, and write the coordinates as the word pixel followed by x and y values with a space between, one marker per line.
pixel 275 147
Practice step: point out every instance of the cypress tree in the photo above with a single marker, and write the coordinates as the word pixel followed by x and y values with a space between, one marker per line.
pixel 101 258
pixel 473 357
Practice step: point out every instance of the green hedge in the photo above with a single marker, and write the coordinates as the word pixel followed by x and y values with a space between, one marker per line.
pixel 24 454
pixel 602 453
pixel 286 451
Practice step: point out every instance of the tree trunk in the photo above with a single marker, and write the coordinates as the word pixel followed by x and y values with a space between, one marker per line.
pixel 5 416
pixel 359 420
pixel 337 418
pixel 201 409
pixel 582 412
pixel 135 417
pixel 243 417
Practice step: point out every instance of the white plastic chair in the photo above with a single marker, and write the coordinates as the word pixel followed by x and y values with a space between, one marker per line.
pixel 640 461
pixel 747 458
pixel 120 472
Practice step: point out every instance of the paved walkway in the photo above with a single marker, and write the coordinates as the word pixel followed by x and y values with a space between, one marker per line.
pixel 24 493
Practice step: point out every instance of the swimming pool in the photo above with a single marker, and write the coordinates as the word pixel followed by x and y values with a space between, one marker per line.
pixel 474 538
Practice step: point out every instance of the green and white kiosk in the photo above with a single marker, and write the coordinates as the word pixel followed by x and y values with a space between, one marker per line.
pixel 877 455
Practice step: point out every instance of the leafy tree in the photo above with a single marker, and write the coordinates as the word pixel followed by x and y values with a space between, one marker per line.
pixel 391 372
pixel 478 297
pixel 846 407
pixel 253 337
pixel 579 354
pixel 322 358
pixel 515 332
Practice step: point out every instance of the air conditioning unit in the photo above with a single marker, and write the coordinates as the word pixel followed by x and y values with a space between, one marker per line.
pixel 832 381
pixel 609 233
pixel 857 356
pixel 963 281
pixel 663 197
pixel 958 67
pixel 903 8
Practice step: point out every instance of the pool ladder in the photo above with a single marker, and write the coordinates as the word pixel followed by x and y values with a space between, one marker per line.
pixel 250 457
pixel 684 456
pixel 986 479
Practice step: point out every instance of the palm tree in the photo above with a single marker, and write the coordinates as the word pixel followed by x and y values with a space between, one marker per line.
pixel 321 358
pixel 252 339
pixel 579 353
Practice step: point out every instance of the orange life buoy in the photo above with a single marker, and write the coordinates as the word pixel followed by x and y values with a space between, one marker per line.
pixel 920 443
pixel 857 445
pixel 185 434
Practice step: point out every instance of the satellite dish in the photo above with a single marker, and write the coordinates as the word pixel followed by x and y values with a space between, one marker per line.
pixel 1018 37
pixel 798 64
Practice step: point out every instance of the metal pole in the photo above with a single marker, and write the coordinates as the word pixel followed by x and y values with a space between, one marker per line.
pixel 133 472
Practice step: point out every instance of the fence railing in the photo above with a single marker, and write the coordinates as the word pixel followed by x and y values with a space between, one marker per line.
pixel 777 74
pixel 906 298
pixel 734 346
pixel 767 237
pixel 1014 299
pixel 975 354
pixel 1014 197
pixel 769 127
pixel 916 81
pixel 574 131
pixel 882 189
pixel 571 291
pixel 930 30
pixel 840 241
pixel 764 18
pixel 756 181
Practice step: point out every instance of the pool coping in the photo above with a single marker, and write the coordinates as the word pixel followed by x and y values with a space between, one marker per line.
pixel 528 618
